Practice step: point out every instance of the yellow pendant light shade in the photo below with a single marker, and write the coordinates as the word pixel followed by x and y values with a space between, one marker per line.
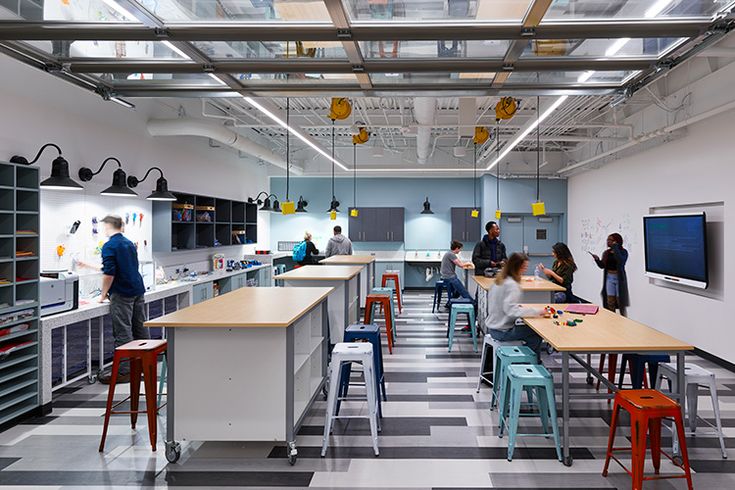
pixel 481 135
pixel 506 108
pixel 340 109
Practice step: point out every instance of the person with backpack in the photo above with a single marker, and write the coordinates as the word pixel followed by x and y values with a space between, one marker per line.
pixel 304 252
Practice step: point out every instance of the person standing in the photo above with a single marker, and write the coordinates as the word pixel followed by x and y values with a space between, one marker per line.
pixel 448 272
pixel 489 253
pixel 504 321
pixel 338 244
pixel 561 272
pixel 614 279
pixel 121 279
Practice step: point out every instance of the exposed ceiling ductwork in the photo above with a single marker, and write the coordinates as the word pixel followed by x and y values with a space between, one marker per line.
pixel 424 110
pixel 216 131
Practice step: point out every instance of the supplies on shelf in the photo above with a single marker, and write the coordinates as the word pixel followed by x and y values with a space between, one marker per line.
pixel 17 328
pixel 205 214
pixel 8 349
pixel 182 212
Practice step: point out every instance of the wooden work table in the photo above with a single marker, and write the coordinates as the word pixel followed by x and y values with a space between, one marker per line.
pixel 367 271
pixel 321 273
pixel 607 332
pixel 245 366
pixel 247 307
pixel 528 284
pixel 343 302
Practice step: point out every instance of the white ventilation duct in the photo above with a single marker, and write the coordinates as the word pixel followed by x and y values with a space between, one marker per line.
pixel 216 131
pixel 424 110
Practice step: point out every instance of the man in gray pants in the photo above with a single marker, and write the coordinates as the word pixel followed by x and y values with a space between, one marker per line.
pixel 121 279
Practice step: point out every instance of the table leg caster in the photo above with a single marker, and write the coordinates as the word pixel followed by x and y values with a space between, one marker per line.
pixel 568 460
pixel 677 460
pixel 292 453
pixel 173 451
pixel 91 379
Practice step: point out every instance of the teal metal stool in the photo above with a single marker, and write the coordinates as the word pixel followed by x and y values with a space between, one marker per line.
pixel 524 377
pixel 469 310
pixel 388 292
pixel 505 356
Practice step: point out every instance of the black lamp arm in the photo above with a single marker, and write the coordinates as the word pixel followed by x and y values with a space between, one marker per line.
pixel 133 181
pixel 86 174
pixel 20 159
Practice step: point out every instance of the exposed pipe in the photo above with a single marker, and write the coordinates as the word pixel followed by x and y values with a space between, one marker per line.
pixel 650 135
pixel 424 109
pixel 217 132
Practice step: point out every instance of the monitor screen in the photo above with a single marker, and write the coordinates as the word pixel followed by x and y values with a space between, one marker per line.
pixel 676 247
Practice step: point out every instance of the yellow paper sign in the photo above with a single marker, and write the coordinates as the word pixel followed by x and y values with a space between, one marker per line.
pixel 354 212
pixel 288 207
pixel 333 215
pixel 498 214
pixel 475 213
pixel 538 208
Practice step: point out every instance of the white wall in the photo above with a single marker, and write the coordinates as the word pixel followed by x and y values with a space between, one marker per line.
pixel 39 108
pixel 697 168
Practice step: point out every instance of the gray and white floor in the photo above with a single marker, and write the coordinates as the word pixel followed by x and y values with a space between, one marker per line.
pixel 437 433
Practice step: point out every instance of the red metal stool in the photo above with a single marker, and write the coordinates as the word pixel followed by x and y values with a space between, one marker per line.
pixel 382 301
pixel 393 276
pixel 647 408
pixel 143 357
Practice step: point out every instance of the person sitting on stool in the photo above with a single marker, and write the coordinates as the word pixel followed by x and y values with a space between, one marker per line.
pixel 448 271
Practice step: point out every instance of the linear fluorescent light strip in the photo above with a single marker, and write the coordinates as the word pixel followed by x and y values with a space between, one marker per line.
pixel 528 130
pixel 300 136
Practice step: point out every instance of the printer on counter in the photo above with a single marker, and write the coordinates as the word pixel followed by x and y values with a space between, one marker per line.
pixel 59 292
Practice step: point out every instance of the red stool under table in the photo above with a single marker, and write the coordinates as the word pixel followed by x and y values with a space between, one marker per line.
pixel 143 358
pixel 382 301
pixel 393 276
pixel 647 408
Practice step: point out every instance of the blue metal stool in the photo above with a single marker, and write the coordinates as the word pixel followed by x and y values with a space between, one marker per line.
pixel 469 310
pixel 458 300
pixel 505 356
pixel 361 333
pixel 387 292
pixel 525 377
pixel 439 287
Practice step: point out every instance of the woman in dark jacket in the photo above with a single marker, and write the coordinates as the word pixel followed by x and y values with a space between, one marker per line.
pixel 311 251
pixel 614 279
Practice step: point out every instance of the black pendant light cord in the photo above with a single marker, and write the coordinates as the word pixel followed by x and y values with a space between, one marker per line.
pixel 354 175
pixel 497 168
pixel 474 176
pixel 288 148
pixel 538 148
pixel 333 159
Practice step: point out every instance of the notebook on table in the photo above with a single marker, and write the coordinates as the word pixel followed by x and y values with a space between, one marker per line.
pixel 583 309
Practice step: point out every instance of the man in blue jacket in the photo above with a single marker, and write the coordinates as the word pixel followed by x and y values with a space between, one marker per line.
pixel 121 280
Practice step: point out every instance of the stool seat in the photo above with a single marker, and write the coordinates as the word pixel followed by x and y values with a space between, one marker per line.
pixel 648 400
pixel 352 349
pixel 463 307
pixel 528 372
pixel 143 345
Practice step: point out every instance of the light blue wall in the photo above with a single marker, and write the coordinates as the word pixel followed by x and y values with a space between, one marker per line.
pixel 422 231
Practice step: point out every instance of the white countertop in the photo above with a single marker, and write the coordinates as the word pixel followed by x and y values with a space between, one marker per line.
pixel 93 309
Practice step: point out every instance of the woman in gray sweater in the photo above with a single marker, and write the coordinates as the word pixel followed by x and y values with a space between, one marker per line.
pixel 505 313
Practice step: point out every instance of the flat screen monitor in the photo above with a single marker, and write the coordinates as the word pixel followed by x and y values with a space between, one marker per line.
pixel 676 248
